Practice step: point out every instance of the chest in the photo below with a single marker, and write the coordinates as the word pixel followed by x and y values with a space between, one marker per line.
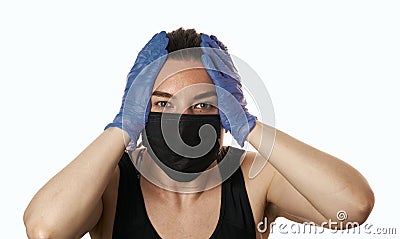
pixel 171 220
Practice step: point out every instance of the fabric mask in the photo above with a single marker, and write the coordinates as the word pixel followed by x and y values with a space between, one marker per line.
pixel 182 145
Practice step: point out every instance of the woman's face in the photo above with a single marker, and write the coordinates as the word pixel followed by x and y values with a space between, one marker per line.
pixel 184 87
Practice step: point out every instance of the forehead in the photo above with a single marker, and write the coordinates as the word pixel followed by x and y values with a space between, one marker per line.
pixel 178 74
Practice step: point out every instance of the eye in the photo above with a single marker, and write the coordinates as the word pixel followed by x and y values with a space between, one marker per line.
pixel 163 104
pixel 202 106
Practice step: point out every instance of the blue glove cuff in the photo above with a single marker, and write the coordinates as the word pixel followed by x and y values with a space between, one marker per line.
pixel 243 131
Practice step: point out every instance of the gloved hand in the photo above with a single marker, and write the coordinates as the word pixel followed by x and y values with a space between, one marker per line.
pixel 135 106
pixel 231 102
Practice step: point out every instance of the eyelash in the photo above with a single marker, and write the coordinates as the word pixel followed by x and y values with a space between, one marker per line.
pixel 164 103
pixel 207 105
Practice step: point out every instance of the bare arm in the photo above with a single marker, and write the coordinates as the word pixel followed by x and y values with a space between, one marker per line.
pixel 311 185
pixel 70 204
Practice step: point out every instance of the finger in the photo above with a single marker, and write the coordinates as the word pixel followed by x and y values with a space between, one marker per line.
pixel 216 52
pixel 220 44
pixel 221 65
pixel 210 67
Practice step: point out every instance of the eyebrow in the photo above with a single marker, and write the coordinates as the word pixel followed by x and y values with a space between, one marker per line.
pixel 162 94
pixel 196 97
pixel 204 95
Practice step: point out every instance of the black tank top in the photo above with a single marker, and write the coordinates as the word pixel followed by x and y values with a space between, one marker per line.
pixel 131 219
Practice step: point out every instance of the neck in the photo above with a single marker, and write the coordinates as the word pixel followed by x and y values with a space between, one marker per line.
pixel 155 176
pixel 178 199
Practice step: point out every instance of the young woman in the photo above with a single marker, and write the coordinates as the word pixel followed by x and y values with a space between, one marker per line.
pixel 173 191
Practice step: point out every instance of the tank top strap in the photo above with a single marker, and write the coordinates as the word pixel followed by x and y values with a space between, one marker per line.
pixel 238 221
pixel 130 217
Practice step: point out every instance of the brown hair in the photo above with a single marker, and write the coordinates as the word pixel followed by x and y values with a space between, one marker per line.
pixel 181 39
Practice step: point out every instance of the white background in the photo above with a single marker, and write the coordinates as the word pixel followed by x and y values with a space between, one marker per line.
pixel 331 67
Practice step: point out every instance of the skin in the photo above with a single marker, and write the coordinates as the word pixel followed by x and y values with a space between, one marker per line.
pixel 298 182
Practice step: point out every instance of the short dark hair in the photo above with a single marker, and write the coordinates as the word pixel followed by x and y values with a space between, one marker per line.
pixel 184 39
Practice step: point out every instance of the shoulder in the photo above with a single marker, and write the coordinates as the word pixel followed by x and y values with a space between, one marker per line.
pixel 258 174
pixel 256 168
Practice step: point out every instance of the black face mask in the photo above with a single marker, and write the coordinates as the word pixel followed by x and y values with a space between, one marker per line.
pixel 184 143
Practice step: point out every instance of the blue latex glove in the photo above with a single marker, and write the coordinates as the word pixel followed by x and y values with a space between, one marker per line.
pixel 231 102
pixel 135 107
